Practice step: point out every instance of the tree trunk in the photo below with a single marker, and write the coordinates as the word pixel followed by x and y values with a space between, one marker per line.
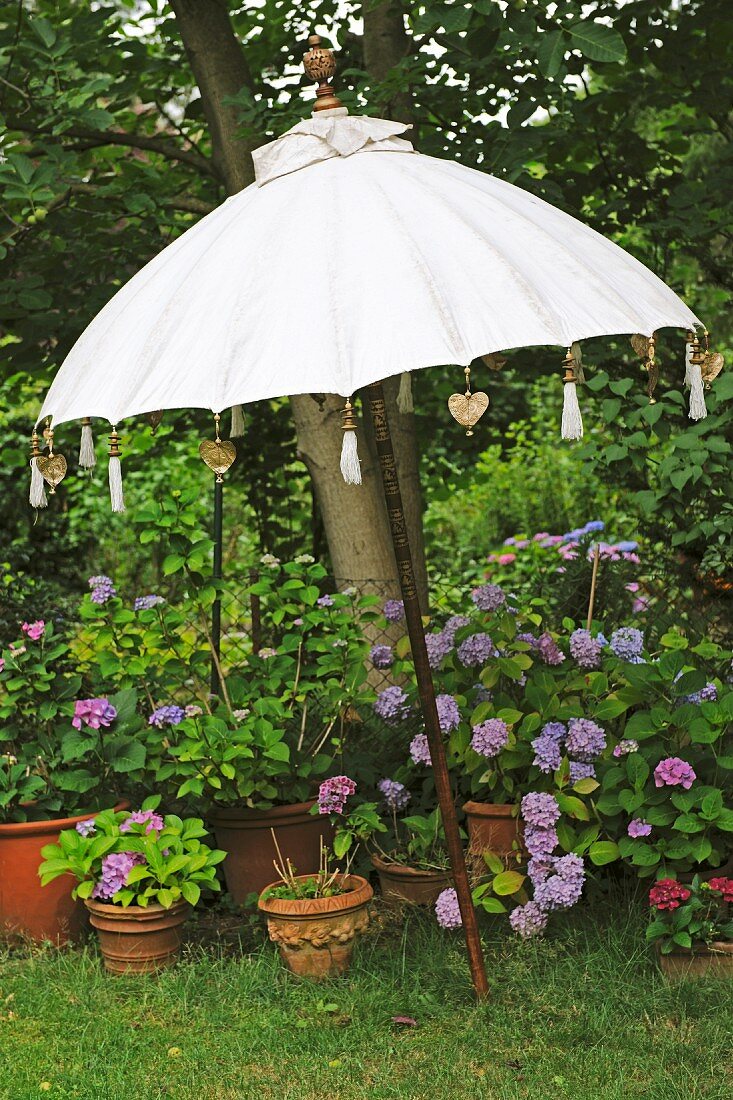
pixel 385 45
pixel 354 518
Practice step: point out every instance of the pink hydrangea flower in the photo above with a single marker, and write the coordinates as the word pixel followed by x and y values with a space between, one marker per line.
pixel 93 713
pixel 674 772
pixel 34 630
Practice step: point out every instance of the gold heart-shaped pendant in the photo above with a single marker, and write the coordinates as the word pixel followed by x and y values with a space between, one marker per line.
pixel 711 366
pixel 467 409
pixel 52 468
pixel 218 455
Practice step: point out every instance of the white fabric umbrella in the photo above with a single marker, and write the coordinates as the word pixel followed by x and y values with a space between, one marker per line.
pixel 352 258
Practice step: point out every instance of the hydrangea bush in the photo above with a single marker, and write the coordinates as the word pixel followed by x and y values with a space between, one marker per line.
pixel 690 915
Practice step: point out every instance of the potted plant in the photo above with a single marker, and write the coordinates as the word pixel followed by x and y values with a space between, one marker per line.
pixel 692 927
pixel 62 759
pixel 139 874
pixel 256 759
pixel 314 919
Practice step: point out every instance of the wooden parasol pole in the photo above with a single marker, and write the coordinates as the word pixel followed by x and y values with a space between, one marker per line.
pixel 425 685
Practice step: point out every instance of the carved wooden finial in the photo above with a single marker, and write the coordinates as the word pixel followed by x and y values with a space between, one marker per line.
pixel 320 65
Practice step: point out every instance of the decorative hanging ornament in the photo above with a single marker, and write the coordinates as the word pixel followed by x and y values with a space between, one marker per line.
pixel 218 454
pixel 51 466
pixel 468 408
pixel 87 456
pixel 694 360
pixel 154 420
pixel 350 465
pixel 713 362
pixel 652 369
pixel 404 394
pixel 115 472
pixel 236 430
pixel 640 344
pixel 494 361
pixel 571 426
pixel 37 494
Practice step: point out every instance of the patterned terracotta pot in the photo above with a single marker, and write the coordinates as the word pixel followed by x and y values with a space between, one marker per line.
pixel 715 961
pixel 316 936
pixel 402 883
pixel 137 940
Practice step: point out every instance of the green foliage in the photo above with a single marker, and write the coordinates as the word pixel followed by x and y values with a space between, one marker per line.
pixel 172 864
pixel 700 916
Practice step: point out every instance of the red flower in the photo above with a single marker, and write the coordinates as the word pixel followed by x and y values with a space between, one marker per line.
pixel 667 893
pixel 724 885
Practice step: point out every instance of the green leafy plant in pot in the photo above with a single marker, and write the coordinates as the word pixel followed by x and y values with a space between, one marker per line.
pixel 692 926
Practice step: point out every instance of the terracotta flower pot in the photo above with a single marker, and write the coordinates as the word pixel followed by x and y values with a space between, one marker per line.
pixel 493 828
pixel 246 838
pixel 136 940
pixel 27 909
pixel 316 936
pixel 400 882
pixel 700 962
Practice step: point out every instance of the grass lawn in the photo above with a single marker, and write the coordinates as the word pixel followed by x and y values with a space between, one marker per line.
pixel 583 1015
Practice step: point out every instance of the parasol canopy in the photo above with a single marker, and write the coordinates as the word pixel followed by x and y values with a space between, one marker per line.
pixel 350 259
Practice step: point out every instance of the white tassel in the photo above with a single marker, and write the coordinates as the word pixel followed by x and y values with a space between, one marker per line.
pixel 572 421
pixel 404 394
pixel 237 427
pixel 688 364
pixel 37 495
pixel 698 409
pixel 87 456
pixel 350 465
pixel 115 472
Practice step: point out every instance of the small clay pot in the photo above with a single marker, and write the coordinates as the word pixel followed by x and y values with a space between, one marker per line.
pixel 702 961
pixel 246 838
pixel 493 828
pixel 137 940
pixel 316 936
pixel 402 883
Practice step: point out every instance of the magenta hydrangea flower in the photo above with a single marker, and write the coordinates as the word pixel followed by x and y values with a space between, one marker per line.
pixel 381 656
pixel 93 713
pixel 585 740
pixel 154 822
pixel 540 810
pixel 528 920
pixel 447 911
pixel 449 715
pixel 420 750
pixel 674 772
pixel 638 827
pixel 391 705
pixel 585 649
pixel 395 794
pixel 115 869
pixel 476 650
pixel 34 630
pixel 490 737
pixel 488 597
pixel 333 793
pixel 394 611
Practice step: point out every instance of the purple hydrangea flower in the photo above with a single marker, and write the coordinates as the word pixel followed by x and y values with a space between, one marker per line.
pixel 558 893
pixel 585 649
pixel 638 827
pixel 439 645
pixel 549 650
pixel 381 656
pixel 103 589
pixel 420 749
pixel 708 694
pixel 391 705
pixel 488 597
pixel 580 770
pixel 169 715
pixel 193 710
pixel 540 810
pixel 490 737
pixel 593 525
pixel 394 611
pixel 333 793
pixel 674 772
pixel 94 713
pixel 528 920
pixel 547 747
pixel 153 822
pixel 540 867
pixel 627 643
pixel 454 624
pixel 528 639
pixel 625 746
pixel 447 911
pixel 115 869
pixel 449 715
pixel 325 600
pixel 395 794
pixel 585 740
pixel 540 842
pixel 476 650
pixel 145 603
pixel 86 828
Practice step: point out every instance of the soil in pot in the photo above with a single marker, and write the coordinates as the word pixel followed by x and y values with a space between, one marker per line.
pixel 246 838
pixel 493 828
pixel 401 883
pixel 315 936
pixel 138 940
pixel 715 961
pixel 27 909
